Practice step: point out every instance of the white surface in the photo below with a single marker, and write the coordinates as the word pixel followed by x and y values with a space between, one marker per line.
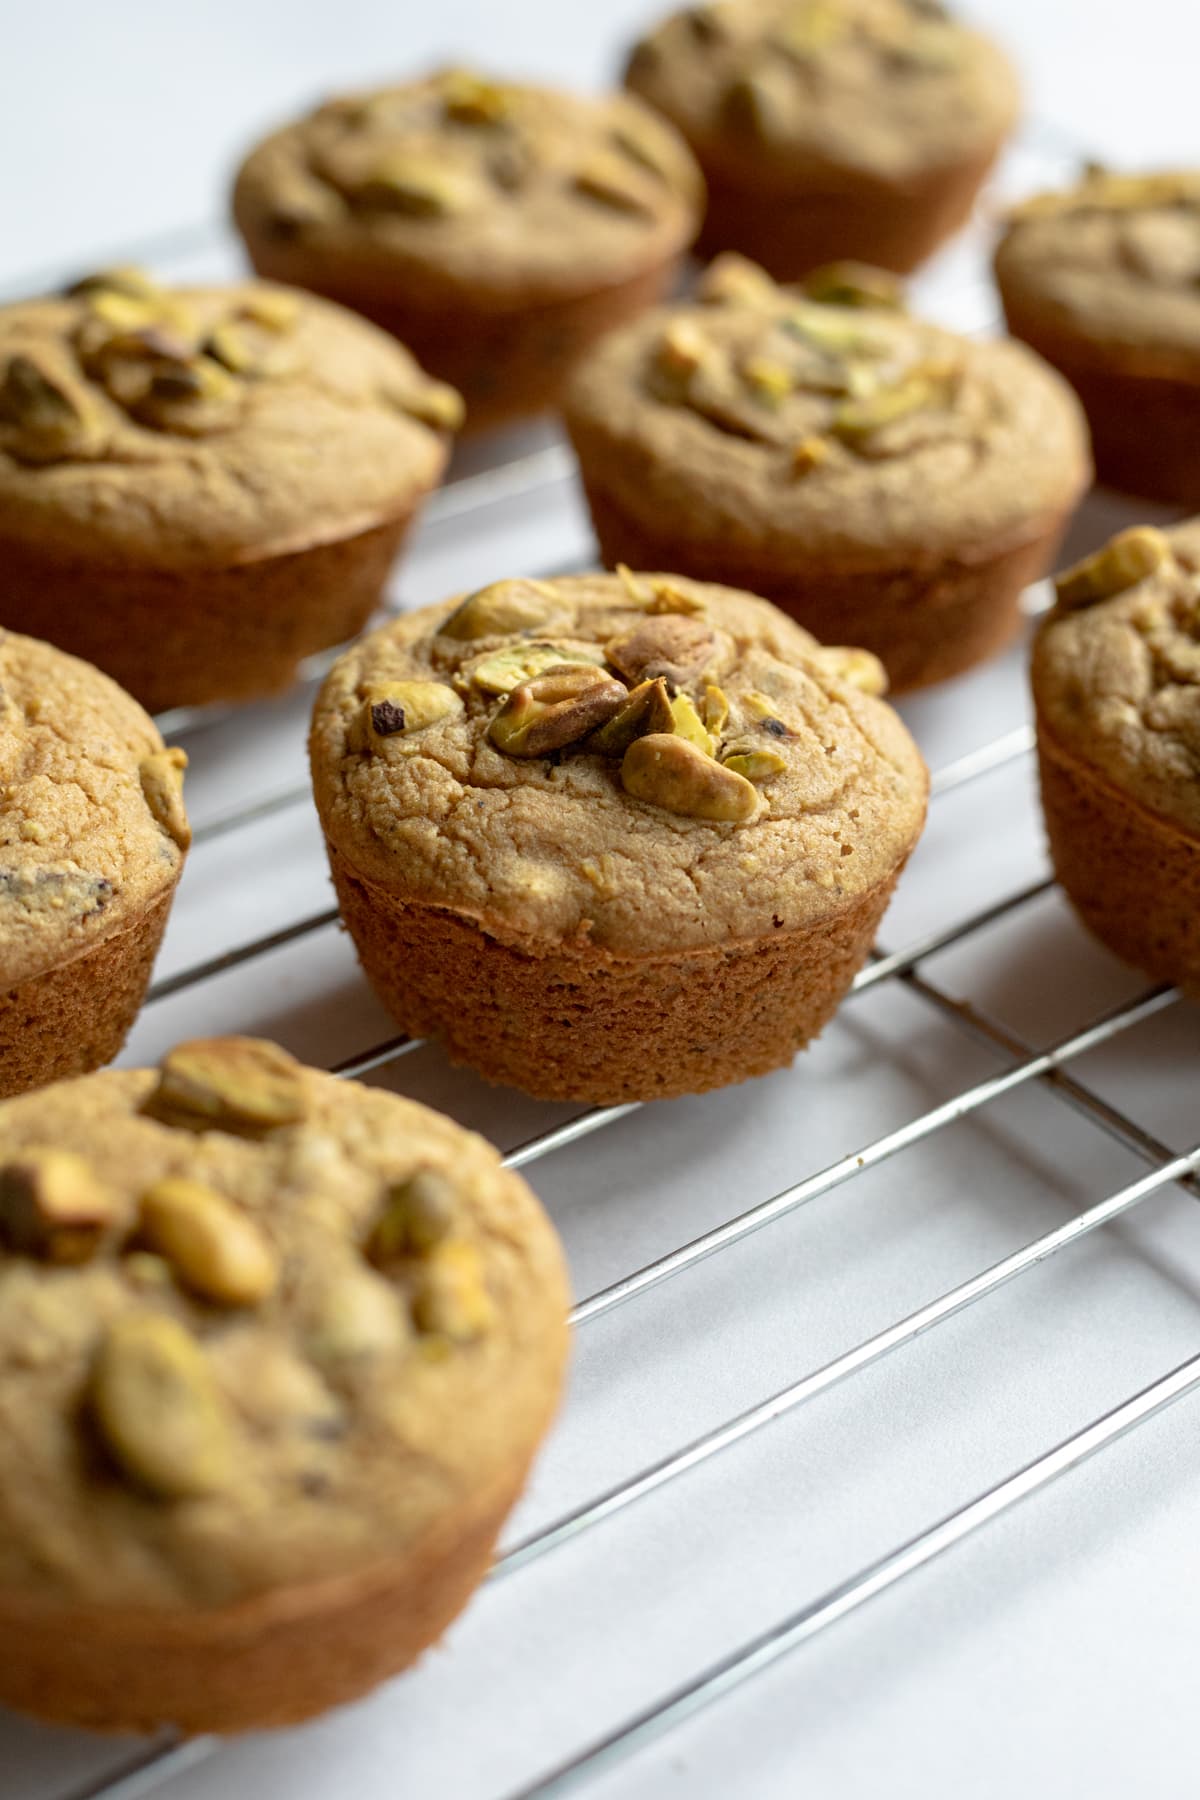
pixel 1053 1654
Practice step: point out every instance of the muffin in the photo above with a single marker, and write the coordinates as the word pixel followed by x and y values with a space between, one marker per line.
pixel 498 229
pixel 612 837
pixel 198 489
pixel 1116 687
pixel 887 483
pixel 1104 281
pixel 830 128
pixel 93 835
pixel 277 1352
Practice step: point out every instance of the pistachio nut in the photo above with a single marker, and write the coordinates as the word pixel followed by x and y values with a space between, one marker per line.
pixel 763 708
pixel 855 420
pixel 51 422
pixel 161 775
pixel 436 404
pixel 670 772
pixel 755 765
pixel 855 284
pixel 502 608
pixel 469 99
pixel 834 330
pixel 214 1248
pixel 667 597
pixel 241 1085
pixel 1121 563
pixel 704 23
pixel 686 721
pixel 682 349
pixel 158 1409
pixel 734 279
pixel 751 106
pixel 808 27
pixel 768 380
pixel 355 1314
pixel 417 1213
pixel 246 347
pixel 808 455
pixel 273 308
pixel 855 668
pixel 635 145
pixel 128 279
pixel 54 1205
pixel 192 397
pixel 503 670
pixel 607 179
pixel 669 645
pixel 420 187
pixel 716 710
pixel 647 709
pixel 555 709
pixel 400 708
pixel 451 1298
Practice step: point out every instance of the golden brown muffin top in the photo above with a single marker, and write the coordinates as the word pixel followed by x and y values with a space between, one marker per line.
pixel 92 823
pixel 1116 667
pixel 826 415
pixel 458 182
pixel 258 1327
pixel 638 763
pixel 192 428
pixel 779 90
pixel 1115 259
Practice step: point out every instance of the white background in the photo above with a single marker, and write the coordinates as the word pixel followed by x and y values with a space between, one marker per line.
pixel 1056 1653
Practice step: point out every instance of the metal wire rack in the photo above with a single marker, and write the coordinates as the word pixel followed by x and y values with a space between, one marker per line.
pixel 536 476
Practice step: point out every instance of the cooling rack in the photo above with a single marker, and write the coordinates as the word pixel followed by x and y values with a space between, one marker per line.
pixel 1001 1279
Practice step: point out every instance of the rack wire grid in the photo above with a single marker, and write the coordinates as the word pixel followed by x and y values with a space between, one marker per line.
pixel 995 1093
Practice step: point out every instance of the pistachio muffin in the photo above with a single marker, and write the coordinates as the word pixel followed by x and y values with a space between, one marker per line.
pixel 1116 687
pixel 93 835
pixel 200 488
pixel 1104 281
pixel 277 1352
pixel 496 228
pixel 887 483
pixel 830 128
pixel 612 837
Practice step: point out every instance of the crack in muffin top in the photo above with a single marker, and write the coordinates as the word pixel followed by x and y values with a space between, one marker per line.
pixel 1116 667
pixel 826 413
pixel 635 763
pixel 196 427
pixel 1115 259
pixel 780 89
pixel 92 825
pixel 464 183
pixel 258 1326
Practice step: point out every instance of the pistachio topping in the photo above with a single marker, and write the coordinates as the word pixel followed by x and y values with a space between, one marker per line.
pixel 417 1213
pixel 857 668
pixel 452 1298
pixel 421 187
pixel 670 645
pixel 54 1205
pixel 688 723
pixel 1126 559
pixel 470 99
pixel 497 610
pixel 48 422
pixel 755 765
pixel 436 404
pixel 648 708
pixel 158 1410
pixel 855 284
pixel 213 1247
pixel 678 776
pixel 401 708
pixel 555 709
pixel 242 1085
pixel 503 670
pixel 608 179
pixel 161 775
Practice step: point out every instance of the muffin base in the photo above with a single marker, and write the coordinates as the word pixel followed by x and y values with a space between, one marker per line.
pixel 1145 425
pixel 841 215
pixel 1132 876
pixel 186 637
pixel 924 623
pixel 507 363
pixel 75 1017
pixel 573 1022
pixel 269 1661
